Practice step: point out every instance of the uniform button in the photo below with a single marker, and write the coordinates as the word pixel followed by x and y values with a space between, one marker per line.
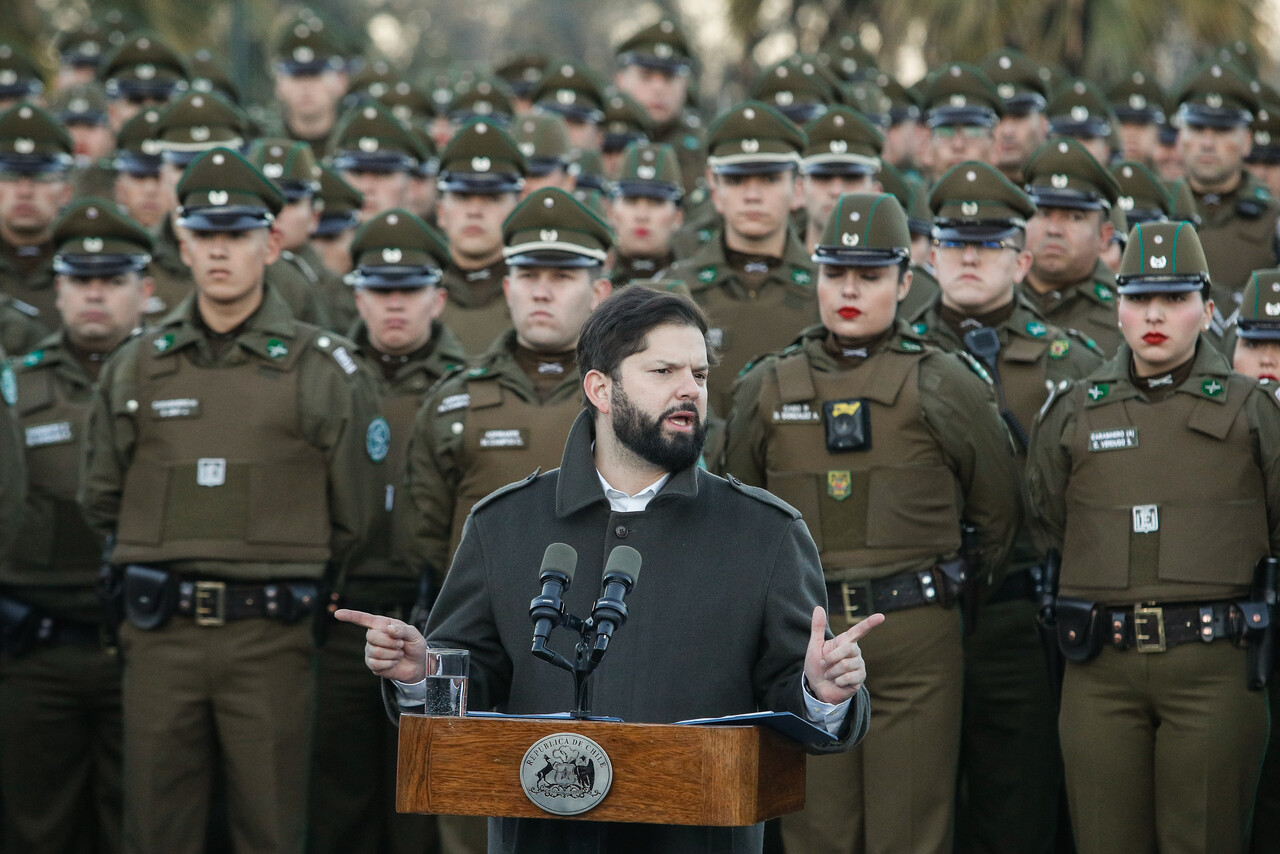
pixel 456 428
pixel 131 405
pixel 323 341
pixel 621 531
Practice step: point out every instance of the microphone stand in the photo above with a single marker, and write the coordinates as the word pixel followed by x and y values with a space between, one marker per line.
pixel 582 665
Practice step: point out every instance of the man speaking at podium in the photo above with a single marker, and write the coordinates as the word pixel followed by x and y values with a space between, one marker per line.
pixel 729 617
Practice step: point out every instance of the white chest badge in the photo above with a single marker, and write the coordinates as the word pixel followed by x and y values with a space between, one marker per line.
pixel 1146 518
pixel 211 471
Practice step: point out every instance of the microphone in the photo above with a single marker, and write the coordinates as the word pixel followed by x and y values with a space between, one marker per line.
pixel 610 613
pixel 547 610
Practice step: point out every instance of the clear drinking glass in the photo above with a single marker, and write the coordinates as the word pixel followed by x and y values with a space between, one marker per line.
pixel 447 682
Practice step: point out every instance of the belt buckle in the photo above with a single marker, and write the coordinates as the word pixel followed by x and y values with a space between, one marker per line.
pixel 1144 618
pixel 211 603
pixel 855 608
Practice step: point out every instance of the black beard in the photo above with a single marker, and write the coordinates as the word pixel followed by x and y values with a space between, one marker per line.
pixel 645 437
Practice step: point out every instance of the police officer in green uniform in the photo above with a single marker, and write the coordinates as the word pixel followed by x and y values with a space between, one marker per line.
pixel 21 77
pixel 142 71
pixel 842 155
pixel 82 110
pixel 1239 218
pixel 310 74
pixel 481 175
pixel 137 163
pixel 1023 127
pixel 1138 104
pixel 377 154
pixel 1009 760
pixel 35 155
pixel 655 67
pixel 233 454
pixel 756 280
pixel 570 89
pixel 293 168
pixel 884 444
pixel 59 675
pixel 962 111
pixel 1074 196
pixel 406 349
pixel 508 414
pixel 1162 738
pixel 1079 111
pixel 645 212
pixel 192 125
pixel 543 139
pixel 340 205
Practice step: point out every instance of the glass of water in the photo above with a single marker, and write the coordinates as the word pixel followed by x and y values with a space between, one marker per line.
pixel 447 682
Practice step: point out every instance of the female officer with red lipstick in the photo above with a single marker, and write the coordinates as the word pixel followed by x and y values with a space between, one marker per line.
pixel 885 444
pixel 1158 477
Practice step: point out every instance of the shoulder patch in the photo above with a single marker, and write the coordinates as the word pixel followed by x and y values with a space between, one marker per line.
pixel 707 274
pixel 1098 391
pixel 763 496
pixel 801 276
pixel 377 439
pixel 1103 292
pixel 1036 329
pixel 8 385
pixel 975 366
pixel 503 490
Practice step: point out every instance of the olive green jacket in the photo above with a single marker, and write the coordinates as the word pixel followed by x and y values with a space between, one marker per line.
pixel 773 425
pixel 748 321
pixel 1202 461
pixel 19 329
pixel 337 415
pixel 1088 307
pixel 478 430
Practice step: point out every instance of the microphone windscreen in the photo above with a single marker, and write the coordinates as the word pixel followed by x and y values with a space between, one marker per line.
pixel 560 558
pixel 624 561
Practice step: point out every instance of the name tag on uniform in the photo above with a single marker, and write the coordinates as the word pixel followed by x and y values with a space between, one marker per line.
pixel 211 471
pixel 1146 519
pixel 49 434
pixel 1113 440
pixel 502 439
pixel 178 407
pixel 796 413
pixel 454 401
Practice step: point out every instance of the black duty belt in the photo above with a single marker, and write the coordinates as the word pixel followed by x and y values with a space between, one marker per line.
pixel 215 603
pixel 1156 628
pixel 859 599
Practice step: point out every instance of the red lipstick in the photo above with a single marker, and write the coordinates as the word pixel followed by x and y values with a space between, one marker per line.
pixel 1154 338
pixel 849 313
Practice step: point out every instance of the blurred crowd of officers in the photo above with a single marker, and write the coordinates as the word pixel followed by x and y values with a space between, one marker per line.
pixel 263 359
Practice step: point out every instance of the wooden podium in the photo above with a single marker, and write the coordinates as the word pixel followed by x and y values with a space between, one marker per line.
pixel 662 773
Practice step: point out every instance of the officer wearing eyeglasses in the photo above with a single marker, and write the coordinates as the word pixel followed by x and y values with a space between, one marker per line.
pixel 1009 752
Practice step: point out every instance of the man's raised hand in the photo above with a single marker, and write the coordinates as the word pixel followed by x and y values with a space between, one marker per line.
pixel 392 648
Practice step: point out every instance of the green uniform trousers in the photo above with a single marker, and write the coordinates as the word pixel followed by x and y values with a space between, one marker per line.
pixel 60 750
pixel 894 792
pixel 1010 763
pixel 1162 750
pixel 240 694
pixel 353 795
pixel 1266 814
